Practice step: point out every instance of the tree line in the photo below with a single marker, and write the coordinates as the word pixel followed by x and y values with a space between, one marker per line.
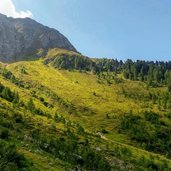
pixel 153 73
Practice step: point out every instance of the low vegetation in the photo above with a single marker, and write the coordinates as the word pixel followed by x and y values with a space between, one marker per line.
pixel 70 112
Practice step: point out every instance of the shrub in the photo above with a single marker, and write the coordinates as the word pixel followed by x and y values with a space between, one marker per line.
pixel 152 117
pixel 10 159
pixel 4 133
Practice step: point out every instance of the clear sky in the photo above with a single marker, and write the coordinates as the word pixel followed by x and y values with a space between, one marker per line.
pixel 136 29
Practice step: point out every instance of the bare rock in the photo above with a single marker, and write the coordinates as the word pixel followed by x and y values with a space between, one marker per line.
pixel 20 39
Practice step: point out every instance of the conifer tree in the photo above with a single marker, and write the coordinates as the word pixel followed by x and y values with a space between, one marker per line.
pixel 31 105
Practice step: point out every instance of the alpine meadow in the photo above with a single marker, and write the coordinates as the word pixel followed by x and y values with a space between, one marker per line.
pixel 63 111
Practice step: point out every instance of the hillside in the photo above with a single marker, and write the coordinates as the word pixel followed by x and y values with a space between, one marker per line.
pixel 88 116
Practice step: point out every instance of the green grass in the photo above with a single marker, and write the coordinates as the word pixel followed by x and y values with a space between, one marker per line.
pixel 89 103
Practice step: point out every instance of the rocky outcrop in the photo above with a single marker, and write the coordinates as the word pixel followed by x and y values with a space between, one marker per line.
pixel 20 39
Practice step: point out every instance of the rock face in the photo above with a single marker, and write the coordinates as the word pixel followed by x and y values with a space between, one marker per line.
pixel 20 39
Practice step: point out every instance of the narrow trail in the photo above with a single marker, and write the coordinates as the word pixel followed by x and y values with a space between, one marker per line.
pixel 138 150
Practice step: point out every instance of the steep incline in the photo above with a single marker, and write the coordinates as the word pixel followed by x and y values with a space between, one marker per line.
pixel 21 38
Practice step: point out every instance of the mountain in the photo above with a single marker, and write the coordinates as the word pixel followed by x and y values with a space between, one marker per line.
pixel 61 111
pixel 21 39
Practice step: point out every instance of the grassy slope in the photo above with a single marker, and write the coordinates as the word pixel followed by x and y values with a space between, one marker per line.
pixel 91 102
pixel 78 88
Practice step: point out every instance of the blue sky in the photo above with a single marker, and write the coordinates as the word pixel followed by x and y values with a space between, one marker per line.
pixel 136 29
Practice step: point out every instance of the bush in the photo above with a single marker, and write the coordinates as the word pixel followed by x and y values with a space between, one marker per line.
pixel 10 159
pixel 152 117
pixel 18 118
pixel 4 133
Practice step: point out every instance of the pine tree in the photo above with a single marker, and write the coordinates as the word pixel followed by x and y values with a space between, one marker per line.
pixel 1 87
pixel 16 97
pixel 166 76
pixel 169 101
pixel 13 79
pixel 149 80
pixel 30 105
pixel 169 82
pixel 135 72
pixel 7 94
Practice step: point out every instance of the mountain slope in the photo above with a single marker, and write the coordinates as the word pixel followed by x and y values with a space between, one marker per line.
pixel 74 119
pixel 21 38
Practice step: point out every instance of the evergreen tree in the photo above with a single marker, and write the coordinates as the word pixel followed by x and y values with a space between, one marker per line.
pixel 16 97
pixel 149 80
pixel 13 79
pixel 30 105
pixel 142 74
pixel 135 72
pixel 7 94
pixel 1 87
pixel 169 82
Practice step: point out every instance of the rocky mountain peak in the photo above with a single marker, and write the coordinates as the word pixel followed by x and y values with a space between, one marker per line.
pixel 21 38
